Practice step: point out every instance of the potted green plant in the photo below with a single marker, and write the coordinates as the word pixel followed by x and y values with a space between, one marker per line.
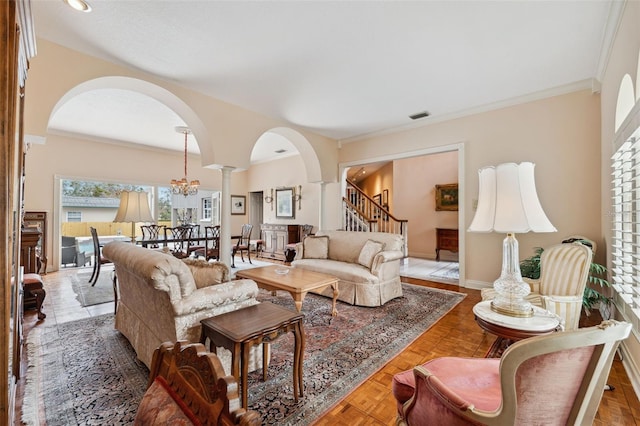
pixel 530 268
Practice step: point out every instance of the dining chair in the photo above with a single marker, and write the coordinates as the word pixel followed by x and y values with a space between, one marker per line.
pixel 177 238
pixel 99 260
pixel 211 249
pixel 152 232
pixel 194 244
pixel 243 244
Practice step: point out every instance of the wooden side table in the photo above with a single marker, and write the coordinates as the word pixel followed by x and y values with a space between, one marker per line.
pixel 511 329
pixel 240 330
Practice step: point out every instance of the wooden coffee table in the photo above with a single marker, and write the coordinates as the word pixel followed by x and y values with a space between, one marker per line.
pixel 240 330
pixel 297 281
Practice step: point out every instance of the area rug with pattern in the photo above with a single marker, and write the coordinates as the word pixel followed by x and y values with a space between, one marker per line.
pixel 85 372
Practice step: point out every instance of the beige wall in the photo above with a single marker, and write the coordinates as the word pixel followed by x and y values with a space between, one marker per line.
pixel 560 134
pixel 414 199
pixel 287 172
pixel 622 60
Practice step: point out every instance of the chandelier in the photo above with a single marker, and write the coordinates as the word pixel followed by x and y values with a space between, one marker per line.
pixel 183 186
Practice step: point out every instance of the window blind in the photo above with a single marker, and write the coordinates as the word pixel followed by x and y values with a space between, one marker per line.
pixel 625 270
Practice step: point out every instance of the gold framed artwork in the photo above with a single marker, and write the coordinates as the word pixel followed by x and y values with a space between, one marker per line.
pixel 447 197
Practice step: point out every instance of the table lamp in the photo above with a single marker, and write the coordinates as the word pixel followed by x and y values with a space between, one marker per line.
pixel 134 207
pixel 508 202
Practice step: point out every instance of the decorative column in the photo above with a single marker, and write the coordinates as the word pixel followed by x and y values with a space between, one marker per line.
pixel 321 215
pixel 225 217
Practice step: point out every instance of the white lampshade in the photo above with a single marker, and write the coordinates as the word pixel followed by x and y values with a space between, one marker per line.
pixel 508 201
pixel 134 207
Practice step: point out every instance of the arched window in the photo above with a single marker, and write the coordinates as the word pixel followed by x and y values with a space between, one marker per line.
pixel 626 100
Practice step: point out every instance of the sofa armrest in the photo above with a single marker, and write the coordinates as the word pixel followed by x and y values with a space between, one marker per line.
pixel 299 251
pixel 228 293
pixel 384 257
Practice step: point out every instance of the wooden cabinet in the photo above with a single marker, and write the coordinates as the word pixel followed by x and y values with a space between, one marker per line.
pixel 446 239
pixel 38 221
pixel 29 239
pixel 276 237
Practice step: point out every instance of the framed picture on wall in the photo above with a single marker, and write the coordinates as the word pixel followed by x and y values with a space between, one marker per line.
pixel 284 203
pixel 447 197
pixel 238 204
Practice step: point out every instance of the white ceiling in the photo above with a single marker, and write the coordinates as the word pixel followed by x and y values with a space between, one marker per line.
pixel 342 69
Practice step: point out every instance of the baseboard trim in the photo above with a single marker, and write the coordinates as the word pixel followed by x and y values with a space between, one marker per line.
pixel 477 285
pixel 630 367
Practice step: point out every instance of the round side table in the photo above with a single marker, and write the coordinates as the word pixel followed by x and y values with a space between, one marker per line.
pixel 510 329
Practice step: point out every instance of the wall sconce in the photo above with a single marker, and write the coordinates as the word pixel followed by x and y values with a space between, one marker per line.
pixel 269 198
pixel 297 196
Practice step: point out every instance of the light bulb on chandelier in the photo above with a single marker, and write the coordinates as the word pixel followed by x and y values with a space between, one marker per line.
pixel 183 186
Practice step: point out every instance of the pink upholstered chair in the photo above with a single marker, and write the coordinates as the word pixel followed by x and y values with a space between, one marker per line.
pixel 556 379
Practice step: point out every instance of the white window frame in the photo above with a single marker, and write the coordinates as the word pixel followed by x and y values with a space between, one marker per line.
pixel 207 207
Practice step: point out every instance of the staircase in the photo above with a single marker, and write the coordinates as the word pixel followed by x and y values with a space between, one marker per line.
pixel 363 214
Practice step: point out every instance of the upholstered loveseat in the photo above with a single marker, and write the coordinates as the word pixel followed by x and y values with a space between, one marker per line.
pixel 162 298
pixel 367 264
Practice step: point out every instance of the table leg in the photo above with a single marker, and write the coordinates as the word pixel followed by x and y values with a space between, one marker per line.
pixel 298 299
pixel 334 311
pixel 300 355
pixel 236 355
pixel 266 352
pixel 245 372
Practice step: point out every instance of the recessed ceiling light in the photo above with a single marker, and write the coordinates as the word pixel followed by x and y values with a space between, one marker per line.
pixel 80 5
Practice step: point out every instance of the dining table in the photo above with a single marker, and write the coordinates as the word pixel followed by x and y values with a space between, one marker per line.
pixel 166 241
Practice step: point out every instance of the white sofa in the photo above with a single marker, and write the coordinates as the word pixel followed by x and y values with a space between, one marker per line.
pixel 367 264
pixel 162 298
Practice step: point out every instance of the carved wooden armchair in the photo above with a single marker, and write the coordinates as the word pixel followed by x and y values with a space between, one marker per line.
pixel 187 385
pixel 556 379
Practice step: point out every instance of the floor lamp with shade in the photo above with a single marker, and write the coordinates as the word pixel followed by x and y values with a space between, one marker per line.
pixel 134 208
pixel 508 203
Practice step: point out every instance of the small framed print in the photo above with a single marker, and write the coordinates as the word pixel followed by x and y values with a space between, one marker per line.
pixel 238 204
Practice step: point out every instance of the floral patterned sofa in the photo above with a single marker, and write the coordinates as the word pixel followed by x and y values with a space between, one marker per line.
pixel 162 298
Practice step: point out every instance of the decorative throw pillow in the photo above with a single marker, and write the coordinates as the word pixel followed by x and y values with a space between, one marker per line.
pixel 368 252
pixel 206 273
pixel 315 247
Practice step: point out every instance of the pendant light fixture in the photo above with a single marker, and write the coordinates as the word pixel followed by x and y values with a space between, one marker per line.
pixel 183 186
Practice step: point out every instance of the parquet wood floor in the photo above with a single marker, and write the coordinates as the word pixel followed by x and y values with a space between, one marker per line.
pixel 372 403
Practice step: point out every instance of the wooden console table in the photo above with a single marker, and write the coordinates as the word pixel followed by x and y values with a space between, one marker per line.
pixel 239 330
pixel 446 239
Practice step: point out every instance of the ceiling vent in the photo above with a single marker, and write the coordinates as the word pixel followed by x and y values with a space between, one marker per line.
pixel 419 115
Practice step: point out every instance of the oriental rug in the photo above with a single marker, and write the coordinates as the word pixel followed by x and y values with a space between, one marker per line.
pixel 85 372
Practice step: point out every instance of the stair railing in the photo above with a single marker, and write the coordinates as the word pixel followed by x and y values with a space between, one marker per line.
pixel 364 214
